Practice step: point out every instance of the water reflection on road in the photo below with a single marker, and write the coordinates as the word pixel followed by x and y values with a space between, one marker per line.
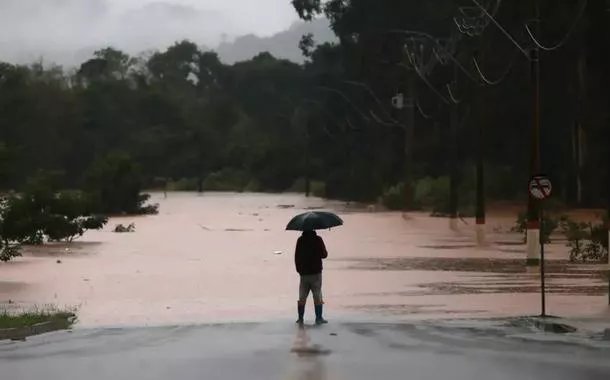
pixel 215 257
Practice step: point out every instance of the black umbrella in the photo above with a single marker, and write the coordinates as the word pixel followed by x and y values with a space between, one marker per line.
pixel 314 220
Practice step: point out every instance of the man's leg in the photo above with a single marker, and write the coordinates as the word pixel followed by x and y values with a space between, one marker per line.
pixel 316 289
pixel 303 293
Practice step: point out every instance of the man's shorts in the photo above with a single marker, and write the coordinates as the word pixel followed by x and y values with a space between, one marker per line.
pixel 311 283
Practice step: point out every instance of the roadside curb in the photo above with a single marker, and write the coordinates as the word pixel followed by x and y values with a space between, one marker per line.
pixel 21 333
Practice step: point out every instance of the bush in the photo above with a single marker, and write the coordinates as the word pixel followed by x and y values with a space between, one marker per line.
pixel 41 213
pixel 33 217
pixel 551 223
pixel 115 184
pixel 226 180
pixel 253 186
pixel 430 194
pixel 9 251
pixel 588 242
pixel 394 197
pixel 183 184
pixel 317 188
pixel 143 208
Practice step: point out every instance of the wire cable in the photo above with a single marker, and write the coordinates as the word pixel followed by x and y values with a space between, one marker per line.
pixel 451 96
pixel 347 99
pixel 425 115
pixel 502 29
pixel 384 123
pixel 566 37
pixel 484 77
pixel 368 89
pixel 423 78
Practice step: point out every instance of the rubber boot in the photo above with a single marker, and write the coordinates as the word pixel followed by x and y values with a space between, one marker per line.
pixel 301 311
pixel 319 319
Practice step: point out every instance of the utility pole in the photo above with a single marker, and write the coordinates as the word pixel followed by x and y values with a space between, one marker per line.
pixel 533 215
pixel 480 167
pixel 405 105
pixel 409 132
pixel 453 157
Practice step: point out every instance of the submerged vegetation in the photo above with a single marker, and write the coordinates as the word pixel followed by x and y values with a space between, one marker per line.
pixel 29 318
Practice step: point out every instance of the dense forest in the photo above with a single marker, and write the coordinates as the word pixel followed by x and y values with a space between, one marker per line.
pixel 182 119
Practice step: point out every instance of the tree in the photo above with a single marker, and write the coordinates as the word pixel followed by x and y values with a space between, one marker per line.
pixel 115 184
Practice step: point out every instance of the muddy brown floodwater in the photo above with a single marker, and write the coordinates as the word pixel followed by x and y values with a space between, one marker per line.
pixel 214 258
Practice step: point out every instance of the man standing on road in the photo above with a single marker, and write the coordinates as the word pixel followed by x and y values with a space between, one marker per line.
pixel 308 256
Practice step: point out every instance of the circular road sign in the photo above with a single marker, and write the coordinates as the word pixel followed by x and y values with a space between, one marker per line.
pixel 540 187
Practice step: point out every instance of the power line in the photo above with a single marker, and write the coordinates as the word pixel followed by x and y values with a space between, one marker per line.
pixel 368 89
pixel 425 115
pixel 566 37
pixel 497 81
pixel 384 123
pixel 453 98
pixel 347 99
pixel 504 31
pixel 423 78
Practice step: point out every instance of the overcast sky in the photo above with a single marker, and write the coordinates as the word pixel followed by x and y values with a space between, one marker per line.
pixel 31 28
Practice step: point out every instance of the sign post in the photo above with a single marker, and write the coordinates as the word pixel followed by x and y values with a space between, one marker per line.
pixel 541 188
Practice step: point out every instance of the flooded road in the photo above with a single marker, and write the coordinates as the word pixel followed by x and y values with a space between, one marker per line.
pixel 280 350
pixel 214 258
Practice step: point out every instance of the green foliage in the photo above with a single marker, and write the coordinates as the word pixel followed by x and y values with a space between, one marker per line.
pixel 588 241
pixel 34 216
pixel 253 186
pixel 115 184
pixel 394 197
pixel 42 213
pixel 550 225
pixel 317 188
pixel 35 316
pixel 226 180
pixel 183 184
pixel 430 194
pixel 9 251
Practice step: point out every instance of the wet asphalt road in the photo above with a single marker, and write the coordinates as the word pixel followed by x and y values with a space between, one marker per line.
pixel 279 350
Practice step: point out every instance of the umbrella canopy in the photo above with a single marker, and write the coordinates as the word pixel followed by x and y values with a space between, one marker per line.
pixel 314 220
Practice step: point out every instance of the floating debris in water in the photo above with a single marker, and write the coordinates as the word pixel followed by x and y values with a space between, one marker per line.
pixel 278 252
pixel 120 228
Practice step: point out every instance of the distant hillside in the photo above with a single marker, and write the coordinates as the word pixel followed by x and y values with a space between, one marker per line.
pixel 282 45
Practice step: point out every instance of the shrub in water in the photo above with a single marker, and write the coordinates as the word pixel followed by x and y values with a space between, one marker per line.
pixel 588 241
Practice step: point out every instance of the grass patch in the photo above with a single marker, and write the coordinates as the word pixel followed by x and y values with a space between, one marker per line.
pixel 17 319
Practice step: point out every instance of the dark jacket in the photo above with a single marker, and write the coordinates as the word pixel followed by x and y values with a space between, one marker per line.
pixel 309 252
